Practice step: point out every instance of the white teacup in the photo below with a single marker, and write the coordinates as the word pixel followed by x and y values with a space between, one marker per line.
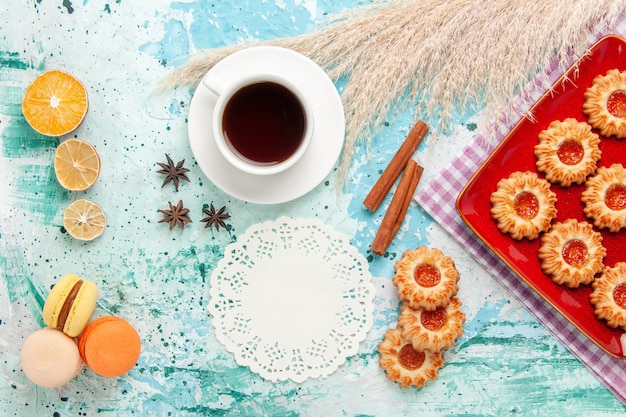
pixel 262 123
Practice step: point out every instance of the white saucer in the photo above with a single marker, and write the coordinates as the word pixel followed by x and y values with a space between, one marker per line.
pixel 315 164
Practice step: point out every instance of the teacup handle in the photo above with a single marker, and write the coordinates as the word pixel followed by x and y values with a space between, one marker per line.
pixel 214 83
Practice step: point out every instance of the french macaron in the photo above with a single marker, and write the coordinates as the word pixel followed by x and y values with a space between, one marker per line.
pixel 110 346
pixel 70 304
pixel 50 358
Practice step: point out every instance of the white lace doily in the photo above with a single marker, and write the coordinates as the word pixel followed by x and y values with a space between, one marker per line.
pixel 291 299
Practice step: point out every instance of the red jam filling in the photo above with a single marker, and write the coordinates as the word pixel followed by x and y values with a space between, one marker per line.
pixel 410 358
pixel 619 295
pixel 616 104
pixel 570 152
pixel 575 253
pixel 434 320
pixel 526 205
pixel 427 275
pixel 615 197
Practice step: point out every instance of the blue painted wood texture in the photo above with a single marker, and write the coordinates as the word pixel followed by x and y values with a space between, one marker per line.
pixel 505 363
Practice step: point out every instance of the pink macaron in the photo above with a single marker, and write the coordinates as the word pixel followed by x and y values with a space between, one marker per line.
pixel 50 358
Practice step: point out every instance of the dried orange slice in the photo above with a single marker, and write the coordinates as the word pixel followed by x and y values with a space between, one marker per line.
pixel 84 220
pixel 55 103
pixel 76 164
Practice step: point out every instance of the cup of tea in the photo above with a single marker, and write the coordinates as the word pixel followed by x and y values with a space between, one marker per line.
pixel 262 123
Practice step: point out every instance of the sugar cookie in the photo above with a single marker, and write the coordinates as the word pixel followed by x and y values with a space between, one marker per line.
pixel 605 198
pixel 523 205
pixel 425 278
pixel 405 365
pixel 434 330
pixel 609 295
pixel 571 253
pixel 567 152
pixel 605 103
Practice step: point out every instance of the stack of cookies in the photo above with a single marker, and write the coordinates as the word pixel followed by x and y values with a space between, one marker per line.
pixel 430 318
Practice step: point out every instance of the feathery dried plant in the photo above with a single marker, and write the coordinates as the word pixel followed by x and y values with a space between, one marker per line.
pixel 445 57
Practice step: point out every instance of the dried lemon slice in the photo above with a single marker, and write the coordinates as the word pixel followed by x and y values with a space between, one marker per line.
pixel 84 220
pixel 76 164
pixel 55 103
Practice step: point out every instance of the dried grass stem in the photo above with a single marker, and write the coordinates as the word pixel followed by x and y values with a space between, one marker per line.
pixel 445 57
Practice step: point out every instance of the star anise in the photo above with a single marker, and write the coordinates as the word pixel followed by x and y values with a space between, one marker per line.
pixel 174 173
pixel 215 218
pixel 176 215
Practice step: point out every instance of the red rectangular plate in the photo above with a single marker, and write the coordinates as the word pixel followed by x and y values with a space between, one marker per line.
pixel 515 153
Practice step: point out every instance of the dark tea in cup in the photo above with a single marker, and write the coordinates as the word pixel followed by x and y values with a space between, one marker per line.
pixel 264 123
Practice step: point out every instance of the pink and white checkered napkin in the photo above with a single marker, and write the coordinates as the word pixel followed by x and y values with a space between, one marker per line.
pixel 438 198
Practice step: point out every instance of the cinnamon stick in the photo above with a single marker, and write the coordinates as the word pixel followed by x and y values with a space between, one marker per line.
pixel 398 207
pixel 419 170
pixel 380 190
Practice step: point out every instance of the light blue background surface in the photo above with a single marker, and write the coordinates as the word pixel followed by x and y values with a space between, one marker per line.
pixel 505 363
